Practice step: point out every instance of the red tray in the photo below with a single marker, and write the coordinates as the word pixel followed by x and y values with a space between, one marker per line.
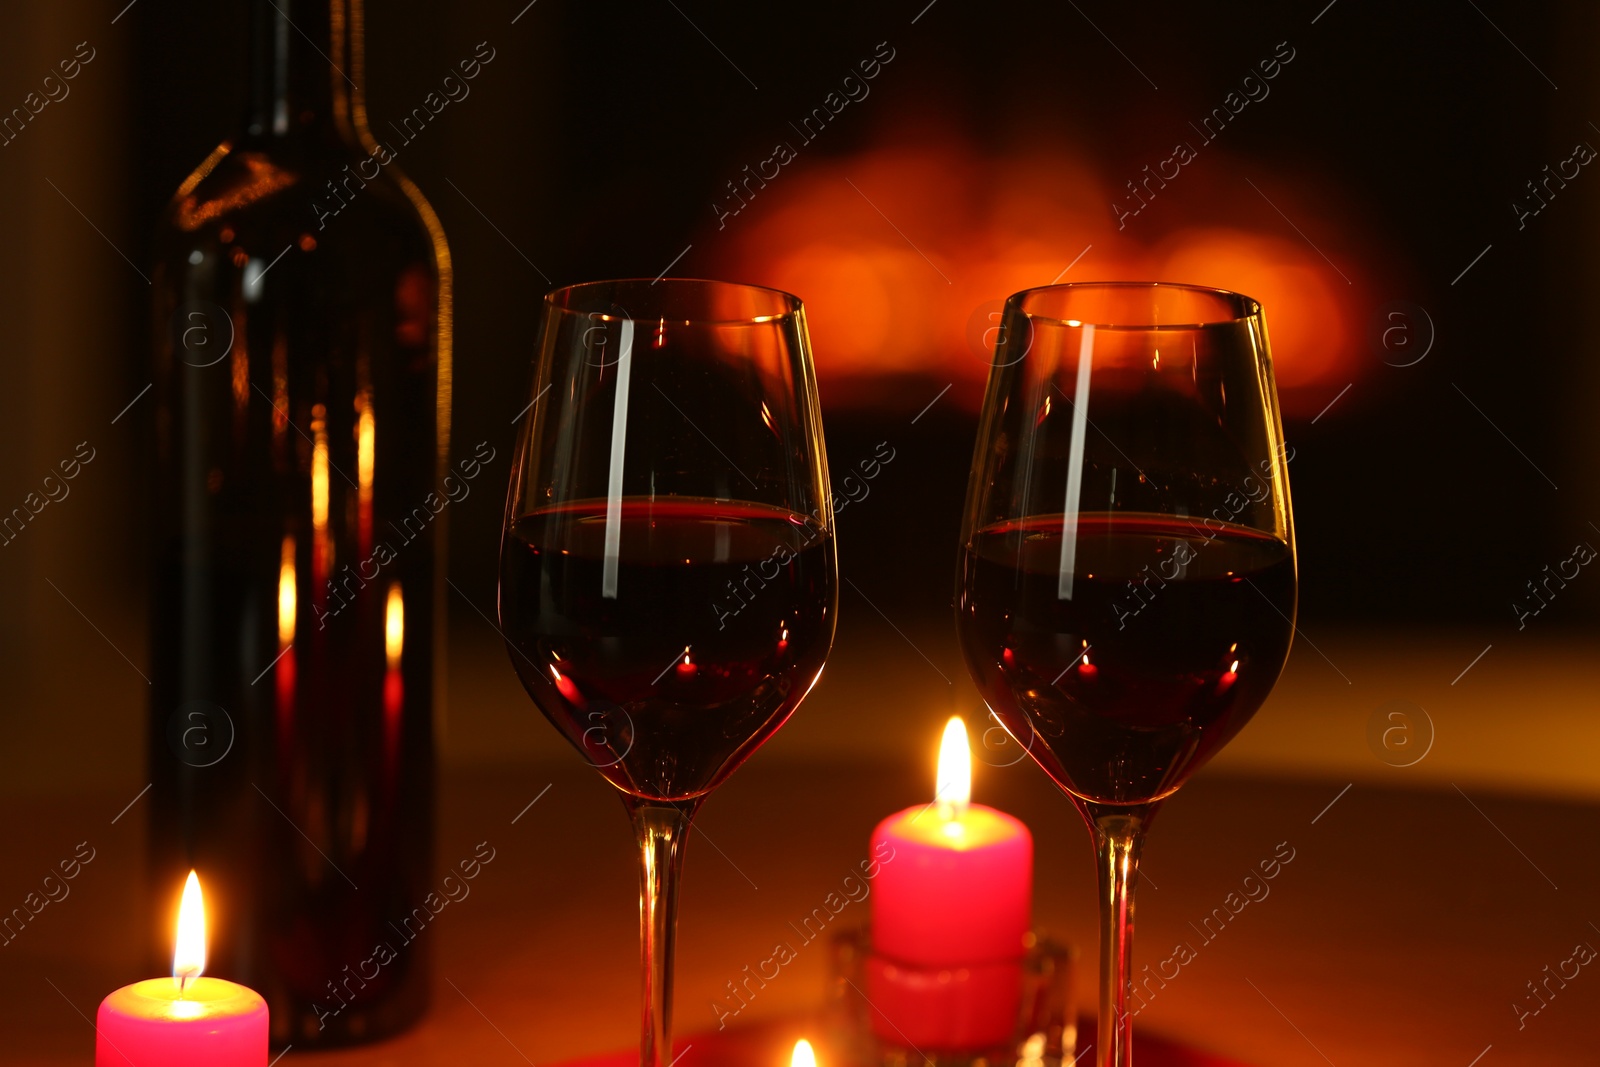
pixel 769 1045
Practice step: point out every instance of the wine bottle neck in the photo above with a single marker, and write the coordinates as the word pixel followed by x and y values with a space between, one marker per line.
pixel 306 68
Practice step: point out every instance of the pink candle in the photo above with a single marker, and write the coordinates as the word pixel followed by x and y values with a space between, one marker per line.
pixel 950 915
pixel 946 1009
pixel 185 1020
pixel 960 889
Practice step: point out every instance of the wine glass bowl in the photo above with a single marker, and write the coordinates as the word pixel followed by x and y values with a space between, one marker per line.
pixel 669 685
pixel 668 580
pixel 1127 584
pixel 667 606
pixel 1124 657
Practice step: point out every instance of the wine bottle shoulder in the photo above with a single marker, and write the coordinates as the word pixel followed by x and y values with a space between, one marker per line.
pixel 264 194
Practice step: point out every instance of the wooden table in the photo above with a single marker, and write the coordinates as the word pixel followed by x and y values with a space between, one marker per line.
pixel 1403 930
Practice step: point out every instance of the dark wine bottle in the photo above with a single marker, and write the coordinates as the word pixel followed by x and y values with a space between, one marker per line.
pixel 302 388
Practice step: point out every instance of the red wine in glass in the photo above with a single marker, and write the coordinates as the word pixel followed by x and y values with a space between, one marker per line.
pixel 718 626
pixel 1173 636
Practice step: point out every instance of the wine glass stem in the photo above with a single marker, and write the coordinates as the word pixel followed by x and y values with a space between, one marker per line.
pixel 661 830
pixel 1119 836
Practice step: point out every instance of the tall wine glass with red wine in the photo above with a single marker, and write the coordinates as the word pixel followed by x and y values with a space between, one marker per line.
pixel 668 581
pixel 1127 580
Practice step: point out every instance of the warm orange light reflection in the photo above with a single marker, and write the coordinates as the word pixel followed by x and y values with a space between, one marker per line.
pixel 804 1055
pixel 953 786
pixel 319 481
pixel 280 390
pixel 189 955
pixel 239 364
pixel 321 543
pixel 1300 293
pixel 394 626
pixel 287 597
pixel 366 431
pixel 262 179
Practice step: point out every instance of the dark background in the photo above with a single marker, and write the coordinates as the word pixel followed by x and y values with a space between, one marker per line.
pixel 595 142
pixel 600 134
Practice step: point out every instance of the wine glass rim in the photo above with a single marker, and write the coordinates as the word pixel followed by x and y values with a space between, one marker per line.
pixel 1251 306
pixel 560 299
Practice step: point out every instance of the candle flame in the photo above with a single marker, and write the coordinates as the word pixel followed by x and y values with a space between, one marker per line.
pixel 803 1056
pixel 953 789
pixel 189 958
pixel 394 625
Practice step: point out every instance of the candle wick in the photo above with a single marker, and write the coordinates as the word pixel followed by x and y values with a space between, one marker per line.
pixel 952 810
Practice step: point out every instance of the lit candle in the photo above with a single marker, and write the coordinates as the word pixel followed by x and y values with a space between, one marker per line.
pixel 960 887
pixel 803 1056
pixel 950 916
pixel 185 1020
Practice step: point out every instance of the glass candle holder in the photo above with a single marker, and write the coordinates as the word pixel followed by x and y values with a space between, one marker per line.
pixel 888 1013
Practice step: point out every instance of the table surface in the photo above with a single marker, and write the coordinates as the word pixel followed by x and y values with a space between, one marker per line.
pixel 1402 931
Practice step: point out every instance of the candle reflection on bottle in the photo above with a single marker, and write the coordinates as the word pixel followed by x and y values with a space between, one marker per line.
pixel 321 540
pixel 394 691
pixel 366 434
pixel 284 672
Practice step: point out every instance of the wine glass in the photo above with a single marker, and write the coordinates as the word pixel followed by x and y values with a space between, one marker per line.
pixel 668 580
pixel 1127 579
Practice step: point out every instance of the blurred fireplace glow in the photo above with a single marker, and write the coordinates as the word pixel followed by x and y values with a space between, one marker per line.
pixel 903 254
